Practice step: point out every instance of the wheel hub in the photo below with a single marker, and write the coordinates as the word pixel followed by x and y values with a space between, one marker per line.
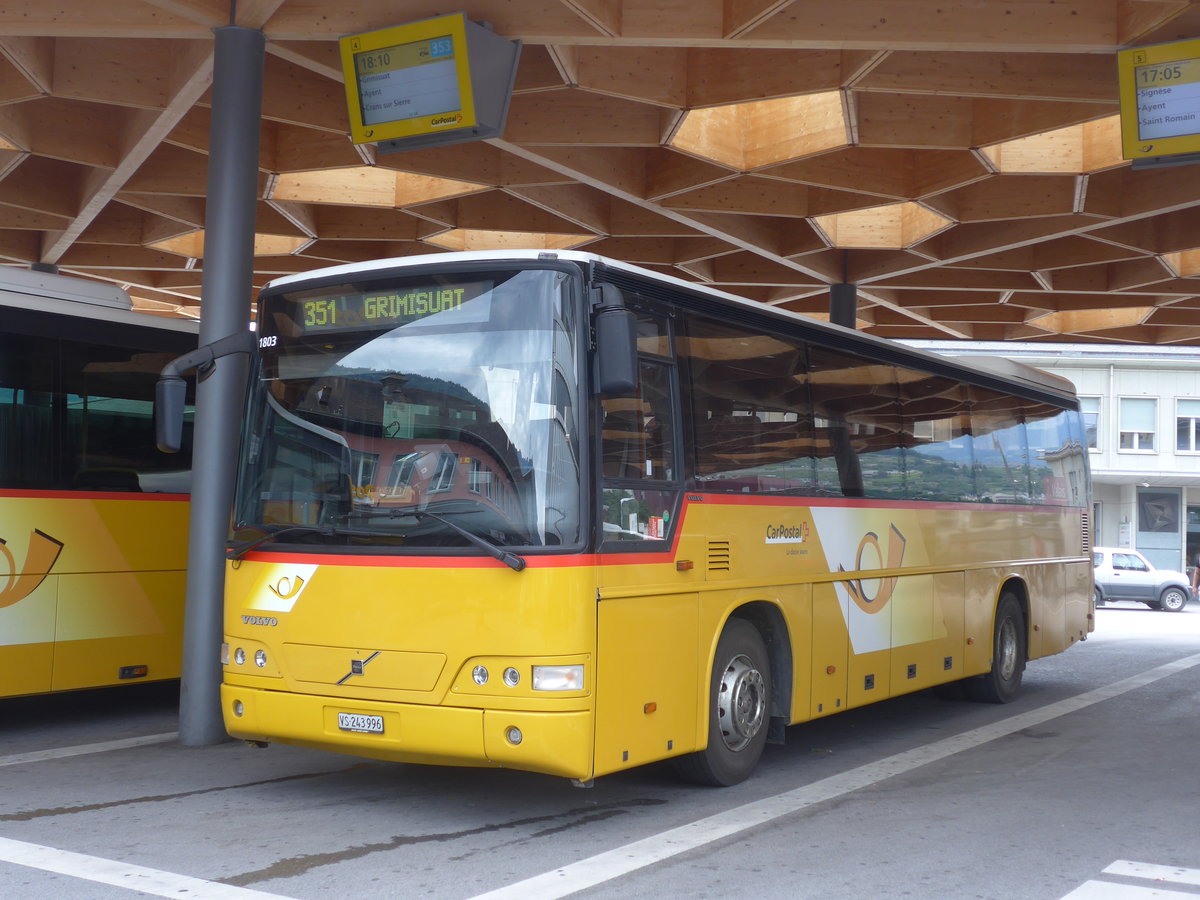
pixel 1008 649
pixel 741 702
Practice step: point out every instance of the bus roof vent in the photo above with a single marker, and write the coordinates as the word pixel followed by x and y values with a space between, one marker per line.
pixel 63 287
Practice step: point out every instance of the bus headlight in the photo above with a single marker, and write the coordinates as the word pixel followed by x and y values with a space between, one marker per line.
pixel 558 678
pixel 239 656
pixel 260 658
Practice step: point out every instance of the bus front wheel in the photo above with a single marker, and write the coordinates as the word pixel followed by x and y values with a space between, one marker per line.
pixel 1002 682
pixel 739 710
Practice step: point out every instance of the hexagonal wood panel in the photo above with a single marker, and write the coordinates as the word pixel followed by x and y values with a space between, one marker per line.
pixel 958 160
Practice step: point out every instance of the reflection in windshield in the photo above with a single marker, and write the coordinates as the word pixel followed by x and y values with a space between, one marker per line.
pixel 467 413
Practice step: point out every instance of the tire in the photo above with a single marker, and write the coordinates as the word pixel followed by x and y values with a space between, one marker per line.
pixel 1173 599
pixel 1002 682
pixel 1099 597
pixel 739 710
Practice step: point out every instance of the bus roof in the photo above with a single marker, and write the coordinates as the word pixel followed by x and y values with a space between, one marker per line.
pixel 51 293
pixel 991 368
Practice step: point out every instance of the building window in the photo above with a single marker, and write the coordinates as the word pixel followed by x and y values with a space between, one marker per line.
pixel 1090 407
pixel 1187 426
pixel 1137 423
pixel 443 475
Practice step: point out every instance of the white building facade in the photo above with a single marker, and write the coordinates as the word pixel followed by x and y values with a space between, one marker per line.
pixel 1142 408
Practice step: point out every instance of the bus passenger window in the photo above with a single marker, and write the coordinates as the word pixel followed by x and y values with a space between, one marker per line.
pixel 636 439
pixel 634 515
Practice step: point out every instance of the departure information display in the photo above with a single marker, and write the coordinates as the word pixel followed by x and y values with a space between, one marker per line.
pixel 408 81
pixel 1159 88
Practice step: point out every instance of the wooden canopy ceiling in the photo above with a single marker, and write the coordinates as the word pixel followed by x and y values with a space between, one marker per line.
pixel 958 160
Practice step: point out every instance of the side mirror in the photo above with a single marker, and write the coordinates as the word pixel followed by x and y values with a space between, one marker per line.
pixel 170 392
pixel 170 398
pixel 616 343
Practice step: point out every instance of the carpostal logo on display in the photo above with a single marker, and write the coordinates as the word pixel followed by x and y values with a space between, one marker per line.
pixel 787 534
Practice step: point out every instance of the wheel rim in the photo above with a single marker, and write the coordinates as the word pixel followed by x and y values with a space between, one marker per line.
pixel 1173 600
pixel 1006 650
pixel 741 702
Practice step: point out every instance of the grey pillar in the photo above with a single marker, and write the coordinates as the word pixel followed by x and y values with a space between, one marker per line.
pixel 843 304
pixel 224 310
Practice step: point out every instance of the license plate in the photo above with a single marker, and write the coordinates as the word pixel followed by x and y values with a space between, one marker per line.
pixel 359 722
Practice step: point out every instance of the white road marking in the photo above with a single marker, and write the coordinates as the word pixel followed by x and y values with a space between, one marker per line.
pixel 1150 871
pixel 19 759
pixel 603 867
pixel 1107 890
pixel 1164 876
pixel 122 875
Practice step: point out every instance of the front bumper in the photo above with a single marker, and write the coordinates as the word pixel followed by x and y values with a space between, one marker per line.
pixel 553 743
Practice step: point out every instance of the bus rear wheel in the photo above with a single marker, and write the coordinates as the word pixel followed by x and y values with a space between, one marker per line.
pixel 1002 682
pixel 739 710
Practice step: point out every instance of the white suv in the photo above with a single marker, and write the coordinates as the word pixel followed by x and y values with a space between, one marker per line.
pixel 1124 574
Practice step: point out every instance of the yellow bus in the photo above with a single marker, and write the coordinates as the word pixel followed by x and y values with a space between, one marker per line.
pixel 552 512
pixel 93 522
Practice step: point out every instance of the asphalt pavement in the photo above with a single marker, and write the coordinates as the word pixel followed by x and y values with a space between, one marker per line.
pixel 1083 788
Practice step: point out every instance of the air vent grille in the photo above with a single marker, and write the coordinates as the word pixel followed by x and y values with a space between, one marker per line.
pixel 720 558
pixel 1085 532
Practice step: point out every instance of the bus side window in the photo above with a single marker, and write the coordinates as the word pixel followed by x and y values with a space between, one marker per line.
pixel 638 454
pixel 636 436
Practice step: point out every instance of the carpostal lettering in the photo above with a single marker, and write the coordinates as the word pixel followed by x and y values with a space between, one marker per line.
pixel 389 307
pixel 787 534
pixel 259 620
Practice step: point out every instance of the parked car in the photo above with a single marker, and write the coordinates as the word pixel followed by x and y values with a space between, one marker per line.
pixel 1124 574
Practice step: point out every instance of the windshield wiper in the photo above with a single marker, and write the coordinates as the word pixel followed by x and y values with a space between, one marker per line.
pixel 238 549
pixel 512 560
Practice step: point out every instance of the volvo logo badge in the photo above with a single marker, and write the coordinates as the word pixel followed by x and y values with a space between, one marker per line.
pixel 357 666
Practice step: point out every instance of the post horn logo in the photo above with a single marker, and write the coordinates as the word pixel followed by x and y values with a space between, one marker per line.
pixel 39 560
pixel 887 586
pixel 286 588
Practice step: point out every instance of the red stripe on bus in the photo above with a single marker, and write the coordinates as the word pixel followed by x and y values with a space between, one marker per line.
pixel 635 557
pixel 426 562
pixel 91 495
pixel 865 503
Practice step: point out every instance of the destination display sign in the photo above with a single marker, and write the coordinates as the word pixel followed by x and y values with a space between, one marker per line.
pixel 383 309
pixel 1160 100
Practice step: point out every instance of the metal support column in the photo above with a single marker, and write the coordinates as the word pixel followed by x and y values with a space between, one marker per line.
pixel 843 304
pixel 225 310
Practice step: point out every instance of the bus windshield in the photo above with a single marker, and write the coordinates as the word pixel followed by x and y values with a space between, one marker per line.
pixel 414 413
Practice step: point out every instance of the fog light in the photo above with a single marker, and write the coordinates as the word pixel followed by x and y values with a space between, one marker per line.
pixel 512 677
pixel 260 658
pixel 479 675
pixel 239 656
pixel 238 709
pixel 514 735
pixel 558 678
